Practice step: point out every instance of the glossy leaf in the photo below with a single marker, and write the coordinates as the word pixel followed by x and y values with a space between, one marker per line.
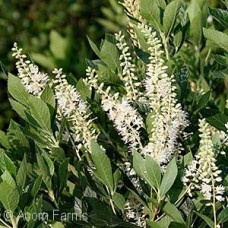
pixel 170 15
pixel 17 90
pixel 217 37
pixel 169 177
pixel 102 165
pixel 21 174
pixel 11 199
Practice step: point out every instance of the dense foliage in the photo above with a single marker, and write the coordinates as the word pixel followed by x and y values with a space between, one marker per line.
pixel 140 141
pixel 40 26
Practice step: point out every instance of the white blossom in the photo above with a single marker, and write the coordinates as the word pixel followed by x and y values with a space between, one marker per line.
pixel 224 136
pixel 168 119
pixel 128 76
pixel 202 173
pixel 71 106
pixel 33 80
pixel 134 212
pixel 132 9
pixel 125 118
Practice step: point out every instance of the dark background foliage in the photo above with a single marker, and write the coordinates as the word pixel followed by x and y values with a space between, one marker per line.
pixel 36 25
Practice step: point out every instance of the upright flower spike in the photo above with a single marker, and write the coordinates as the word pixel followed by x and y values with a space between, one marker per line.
pixel 168 119
pixel 128 69
pixel 132 9
pixel 71 106
pixel 125 118
pixel 33 80
pixel 203 174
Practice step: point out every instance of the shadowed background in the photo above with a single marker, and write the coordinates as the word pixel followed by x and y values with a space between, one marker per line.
pixel 54 34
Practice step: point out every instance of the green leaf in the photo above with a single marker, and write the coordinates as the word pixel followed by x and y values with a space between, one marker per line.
pixel 153 172
pixel 187 159
pixel 58 45
pixel 7 164
pixel 177 40
pixel 102 165
pixel 150 11
pixel 34 209
pixel 223 60
pixel 17 139
pixel 219 38
pixel 83 90
pixel 57 154
pixel 154 224
pixel 44 171
pixel 17 90
pixel 147 169
pixel 4 140
pixel 165 221
pixel 6 176
pixel 116 178
pixel 36 186
pixel 19 109
pixel 142 40
pixel 209 222
pixel 119 200
pixel 109 54
pixel 195 17
pixel 49 163
pixel 170 15
pixel 40 112
pixel 94 47
pixel 49 98
pixel 169 177
pixel 223 216
pixel 161 3
pixel 11 199
pixel 139 165
pixel 177 225
pixel 203 100
pixel 173 212
pixel 218 121
pixel 21 174
pixel 107 76
pixel 220 15
pixel 144 56
pixel 63 174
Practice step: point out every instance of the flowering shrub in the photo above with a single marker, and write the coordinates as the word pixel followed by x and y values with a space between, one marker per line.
pixel 141 141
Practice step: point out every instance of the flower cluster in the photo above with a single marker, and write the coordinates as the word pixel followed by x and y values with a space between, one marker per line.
pixel 134 212
pixel 33 80
pixel 132 9
pixel 128 69
pixel 71 106
pixel 203 174
pixel 168 118
pixel 125 118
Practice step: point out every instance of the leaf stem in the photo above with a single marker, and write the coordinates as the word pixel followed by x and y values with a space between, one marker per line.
pixel 178 200
pixel 164 41
pixel 110 200
pixel 5 223
pixel 213 204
